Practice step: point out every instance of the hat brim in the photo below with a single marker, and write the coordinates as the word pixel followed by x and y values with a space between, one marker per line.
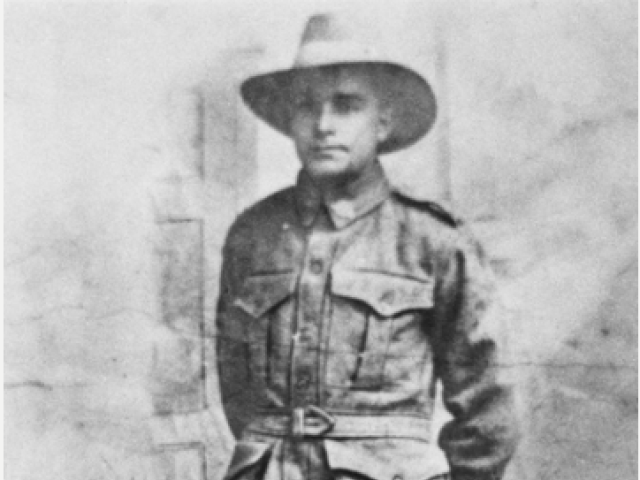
pixel 413 104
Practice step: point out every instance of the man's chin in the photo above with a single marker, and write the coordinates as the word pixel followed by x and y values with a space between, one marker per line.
pixel 325 175
pixel 326 170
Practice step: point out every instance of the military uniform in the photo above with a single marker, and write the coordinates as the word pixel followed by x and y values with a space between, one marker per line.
pixel 337 316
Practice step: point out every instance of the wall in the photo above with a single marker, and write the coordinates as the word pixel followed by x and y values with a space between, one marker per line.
pixel 544 148
pixel 538 125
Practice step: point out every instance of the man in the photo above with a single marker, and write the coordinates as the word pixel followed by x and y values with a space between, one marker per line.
pixel 343 301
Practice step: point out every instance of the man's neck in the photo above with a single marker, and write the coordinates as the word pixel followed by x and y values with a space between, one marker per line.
pixel 348 185
pixel 346 200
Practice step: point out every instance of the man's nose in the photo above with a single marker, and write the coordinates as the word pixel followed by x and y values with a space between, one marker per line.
pixel 325 117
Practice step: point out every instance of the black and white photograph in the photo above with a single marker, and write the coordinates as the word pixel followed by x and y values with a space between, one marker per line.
pixel 321 240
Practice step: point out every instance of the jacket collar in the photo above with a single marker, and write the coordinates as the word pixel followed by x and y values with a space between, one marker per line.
pixel 354 201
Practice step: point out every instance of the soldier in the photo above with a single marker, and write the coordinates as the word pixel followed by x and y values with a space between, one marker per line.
pixel 343 301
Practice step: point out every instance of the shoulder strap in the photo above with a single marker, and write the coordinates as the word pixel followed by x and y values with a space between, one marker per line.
pixel 430 206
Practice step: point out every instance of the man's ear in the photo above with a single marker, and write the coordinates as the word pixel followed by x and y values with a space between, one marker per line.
pixel 384 123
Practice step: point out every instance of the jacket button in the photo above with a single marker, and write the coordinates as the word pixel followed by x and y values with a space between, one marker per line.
pixel 316 266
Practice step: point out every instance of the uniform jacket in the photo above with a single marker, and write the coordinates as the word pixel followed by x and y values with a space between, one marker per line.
pixel 337 316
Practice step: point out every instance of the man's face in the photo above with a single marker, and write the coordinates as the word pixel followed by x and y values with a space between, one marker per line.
pixel 337 123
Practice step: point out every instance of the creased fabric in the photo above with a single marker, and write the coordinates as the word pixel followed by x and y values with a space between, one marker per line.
pixel 359 305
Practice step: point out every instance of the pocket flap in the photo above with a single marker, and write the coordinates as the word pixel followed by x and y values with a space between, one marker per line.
pixel 260 293
pixel 388 294
pixel 245 455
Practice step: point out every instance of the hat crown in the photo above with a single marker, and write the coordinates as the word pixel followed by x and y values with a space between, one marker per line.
pixel 326 27
pixel 329 38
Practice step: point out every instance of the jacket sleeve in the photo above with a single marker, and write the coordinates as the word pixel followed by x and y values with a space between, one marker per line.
pixel 232 347
pixel 482 436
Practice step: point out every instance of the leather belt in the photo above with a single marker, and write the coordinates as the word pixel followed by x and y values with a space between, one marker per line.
pixel 314 422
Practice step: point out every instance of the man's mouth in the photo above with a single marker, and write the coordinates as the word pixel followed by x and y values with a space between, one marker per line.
pixel 327 150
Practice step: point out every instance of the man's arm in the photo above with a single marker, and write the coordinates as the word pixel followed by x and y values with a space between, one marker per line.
pixel 482 436
pixel 232 349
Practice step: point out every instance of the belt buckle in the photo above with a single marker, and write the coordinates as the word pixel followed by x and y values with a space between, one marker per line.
pixel 303 425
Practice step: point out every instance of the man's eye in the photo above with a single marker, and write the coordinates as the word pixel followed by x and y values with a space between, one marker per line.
pixel 345 105
pixel 303 103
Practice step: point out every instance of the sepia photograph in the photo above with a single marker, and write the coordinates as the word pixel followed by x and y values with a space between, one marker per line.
pixel 321 240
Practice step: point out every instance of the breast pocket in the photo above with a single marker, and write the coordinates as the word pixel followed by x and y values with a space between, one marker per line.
pixel 379 305
pixel 265 307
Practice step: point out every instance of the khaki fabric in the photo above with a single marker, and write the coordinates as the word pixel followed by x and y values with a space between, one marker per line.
pixel 358 305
